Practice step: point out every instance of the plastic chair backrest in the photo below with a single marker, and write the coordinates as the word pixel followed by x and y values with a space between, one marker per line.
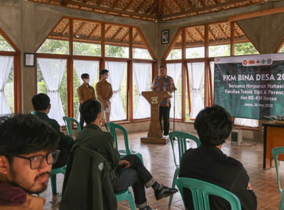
pixel 32 112
pixel 111 127
pixel 181 139
pixel 275 152
pixel 68 124
pixel 201 190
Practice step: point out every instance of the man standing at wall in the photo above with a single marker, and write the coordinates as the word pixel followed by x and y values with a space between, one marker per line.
pixel 164 83
pixel 85 92
pixel 104 92
pixel 27 152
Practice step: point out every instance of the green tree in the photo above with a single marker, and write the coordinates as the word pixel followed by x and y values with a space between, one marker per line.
pixel 4 46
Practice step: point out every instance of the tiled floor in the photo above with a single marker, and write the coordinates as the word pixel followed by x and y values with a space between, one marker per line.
pixel 159 160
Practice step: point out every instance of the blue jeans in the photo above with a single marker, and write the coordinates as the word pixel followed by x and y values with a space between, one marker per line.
pixel 136 176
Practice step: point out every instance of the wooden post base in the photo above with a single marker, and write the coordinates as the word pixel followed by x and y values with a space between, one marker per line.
pixel 153 140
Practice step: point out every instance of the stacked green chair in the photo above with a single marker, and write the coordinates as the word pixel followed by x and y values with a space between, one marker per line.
pixel 53 173
pixel 126 195
pixel 112 128
pixel 275 152
pixel 68 124
pixel 182 146
pixel 201 190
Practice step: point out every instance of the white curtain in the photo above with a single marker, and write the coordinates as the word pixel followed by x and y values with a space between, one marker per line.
pixel 196 73
pixel 5 67
pixel 52 72
pixel 116 71
pixel 141 74
pixel 174 70
pixel 246 122
pixel 89 67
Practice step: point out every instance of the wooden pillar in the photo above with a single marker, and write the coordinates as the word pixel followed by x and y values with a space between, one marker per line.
pixel 129 77
pixel 183 54
pixel 17 86
pixel 102 64
pixel 206 75
pixel 232 38
pixel 70 72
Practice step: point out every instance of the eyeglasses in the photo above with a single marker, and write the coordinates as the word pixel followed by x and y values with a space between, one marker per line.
pixel 36 161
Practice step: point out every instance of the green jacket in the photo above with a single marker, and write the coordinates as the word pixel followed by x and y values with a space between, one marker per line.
pixel 87 183
pixel 65 143
pixel 102 142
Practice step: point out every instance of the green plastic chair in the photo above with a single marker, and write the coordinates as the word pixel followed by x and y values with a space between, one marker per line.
pixel 275 152
pixel 201 190
pixel 112 128
pixel 32 112
pixel 126 195
pixel 53 173
pixel 68 124
pixel 182 147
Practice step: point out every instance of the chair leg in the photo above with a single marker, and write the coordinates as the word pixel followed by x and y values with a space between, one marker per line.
pixel 173 185
pixel 131 202
pixel 53 184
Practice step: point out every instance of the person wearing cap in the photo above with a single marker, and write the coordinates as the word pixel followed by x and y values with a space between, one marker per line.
pixel 104 92
pixel 164 83
pixel 85 92
pixel 208 163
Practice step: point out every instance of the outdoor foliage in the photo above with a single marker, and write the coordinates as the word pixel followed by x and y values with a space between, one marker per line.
pixel 4 46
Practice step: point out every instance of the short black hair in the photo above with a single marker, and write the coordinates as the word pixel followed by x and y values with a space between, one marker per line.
pixel 90 110
pixel 25 134
pixel 163 66
pixel 40 101
pixel 213 124
pixel 84 76
pixel 103 71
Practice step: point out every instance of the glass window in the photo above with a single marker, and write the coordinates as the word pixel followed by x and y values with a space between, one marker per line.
pixel 245 49
pixel 194 39
pixel 116 51
pixel 196 52
pixel 219 50
pixel 52 46
pixel 4 45
pixel 80 48
pixel 9 89
pixel 141 53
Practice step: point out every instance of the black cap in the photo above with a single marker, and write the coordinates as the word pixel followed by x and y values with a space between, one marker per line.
pixel 103 71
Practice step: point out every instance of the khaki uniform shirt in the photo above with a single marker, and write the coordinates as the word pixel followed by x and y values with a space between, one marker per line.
pixel 86 92
pixel 104 88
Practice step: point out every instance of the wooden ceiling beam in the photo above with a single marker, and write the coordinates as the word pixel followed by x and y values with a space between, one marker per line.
pixel 135 36
pixel 221 30
pixel 125 36
pixel 94 31
pixel 159 8
pixel 100 2
pixel 128 5
pixel 176 4
pixel 112 10
pixel 167 7
pixel 81 28
pixel 152 7
pixel 197 10
pixel 202 3
pixel 216 2
pixel 237 33
pixel 199 34
pixel 140 6
pixel 107 30
pixel 211 34
pixel 190 36
pixel 63 32
pixel 189 4
pixel 115 4
pixel 64 2
pixel 116 34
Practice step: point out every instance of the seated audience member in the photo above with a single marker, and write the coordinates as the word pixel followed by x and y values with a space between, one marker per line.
pixel 125 172
pixel 208 163
pixel 41 104
pixel 27 152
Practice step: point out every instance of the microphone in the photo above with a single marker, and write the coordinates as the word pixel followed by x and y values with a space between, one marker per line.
pixel 173 86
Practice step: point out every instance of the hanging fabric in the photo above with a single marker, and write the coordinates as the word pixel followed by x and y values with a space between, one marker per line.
pixel 89 67
pixel 196 78
pixel 5 67
pixel 174 71
pixel 141 74
pixel 116 72
pixel 52 72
